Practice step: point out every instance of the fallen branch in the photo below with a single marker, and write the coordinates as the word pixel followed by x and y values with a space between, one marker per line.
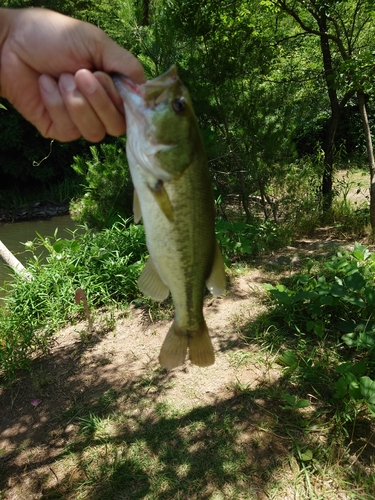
pixel 11 261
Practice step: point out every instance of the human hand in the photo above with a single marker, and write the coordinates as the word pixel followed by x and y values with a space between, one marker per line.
pixel 53 70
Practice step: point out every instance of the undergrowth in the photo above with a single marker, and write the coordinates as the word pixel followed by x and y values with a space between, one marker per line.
pixel 106 265
pixel 325 324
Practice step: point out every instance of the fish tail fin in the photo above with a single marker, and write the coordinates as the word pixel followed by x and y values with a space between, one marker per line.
pixel 201 351
pixel 174 348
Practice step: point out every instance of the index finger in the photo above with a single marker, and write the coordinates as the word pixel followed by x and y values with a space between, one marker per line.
pixel 100 92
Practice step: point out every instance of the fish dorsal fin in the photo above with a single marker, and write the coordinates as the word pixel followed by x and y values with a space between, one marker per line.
pixel 162 199
pixel 217 281
pixel 151 284
pixel 136 208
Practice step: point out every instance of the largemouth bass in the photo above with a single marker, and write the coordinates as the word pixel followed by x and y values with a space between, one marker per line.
pixel 173 195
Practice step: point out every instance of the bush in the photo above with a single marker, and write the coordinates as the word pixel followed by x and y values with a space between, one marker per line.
pixel 109 190
pixel 334 306
pixel 240 239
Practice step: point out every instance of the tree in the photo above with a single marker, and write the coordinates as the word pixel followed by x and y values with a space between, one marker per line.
pixel 345 31
pixel 224 52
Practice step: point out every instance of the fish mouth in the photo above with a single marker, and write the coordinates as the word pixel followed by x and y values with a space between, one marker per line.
pixel 150 94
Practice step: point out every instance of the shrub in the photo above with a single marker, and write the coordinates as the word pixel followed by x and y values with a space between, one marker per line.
pixel 109 190
pixel 333 303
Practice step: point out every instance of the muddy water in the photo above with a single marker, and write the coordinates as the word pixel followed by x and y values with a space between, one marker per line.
pixel 12 235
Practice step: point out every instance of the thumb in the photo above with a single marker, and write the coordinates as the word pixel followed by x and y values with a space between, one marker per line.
pixel 117 59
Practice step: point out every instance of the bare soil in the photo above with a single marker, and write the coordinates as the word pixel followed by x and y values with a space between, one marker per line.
pixel 82 366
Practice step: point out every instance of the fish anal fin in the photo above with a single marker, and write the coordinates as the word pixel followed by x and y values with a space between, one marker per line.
pixel 201 351
pixel 150 283
pixel 162 199
pixel 174 348
pixel 216 282
pixel 136 208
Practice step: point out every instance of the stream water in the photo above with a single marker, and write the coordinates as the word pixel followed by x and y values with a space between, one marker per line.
pixel 12 235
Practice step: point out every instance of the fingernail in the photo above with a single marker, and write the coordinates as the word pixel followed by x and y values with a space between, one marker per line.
pixel 87 83
pixel 47 83
pixel 67 83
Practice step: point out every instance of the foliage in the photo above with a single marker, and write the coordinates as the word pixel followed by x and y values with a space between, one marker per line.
pixel 335 303
pixel 239 240
pixel 105 265
pixel 109 191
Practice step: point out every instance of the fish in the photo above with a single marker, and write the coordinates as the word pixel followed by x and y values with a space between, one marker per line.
pixel 173 196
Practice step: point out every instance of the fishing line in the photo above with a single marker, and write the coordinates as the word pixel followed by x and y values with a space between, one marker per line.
pixel 37 163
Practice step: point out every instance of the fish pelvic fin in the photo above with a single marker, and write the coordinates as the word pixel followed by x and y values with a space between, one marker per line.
pixel 162 199
pixel 217 281
pixel 201 351
pixel 174 348
pixel 150 283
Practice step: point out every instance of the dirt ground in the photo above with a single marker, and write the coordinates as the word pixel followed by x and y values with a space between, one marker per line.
pixel 81 366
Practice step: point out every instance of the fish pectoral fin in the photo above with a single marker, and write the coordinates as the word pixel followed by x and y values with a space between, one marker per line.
pixel 216 282
pixel 162 199
pixel 136 208
pixel 150 283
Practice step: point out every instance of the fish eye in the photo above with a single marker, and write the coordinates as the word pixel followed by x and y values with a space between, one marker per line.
pixel 179 105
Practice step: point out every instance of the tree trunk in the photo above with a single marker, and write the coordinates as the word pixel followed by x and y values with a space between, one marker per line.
pixel 329 142
pixel 370 155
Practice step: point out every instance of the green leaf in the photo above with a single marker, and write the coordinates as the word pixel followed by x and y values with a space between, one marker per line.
pixel 338 290
pixel 294 403
pixel 369 294
pixel 282 297
pixel 310 325
pixel 359 368
pixel 361 252
pixel 341 388
pixel 355 301
pixel 355 281
pixel 302 403
pixel 371 408
pixel 350 339
pixel 306 456
pixel 367 387
pixel 289 398
pixel 326 300
pixel 302 295
pixel 288 359
pixel 58 246
pixel 346 326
